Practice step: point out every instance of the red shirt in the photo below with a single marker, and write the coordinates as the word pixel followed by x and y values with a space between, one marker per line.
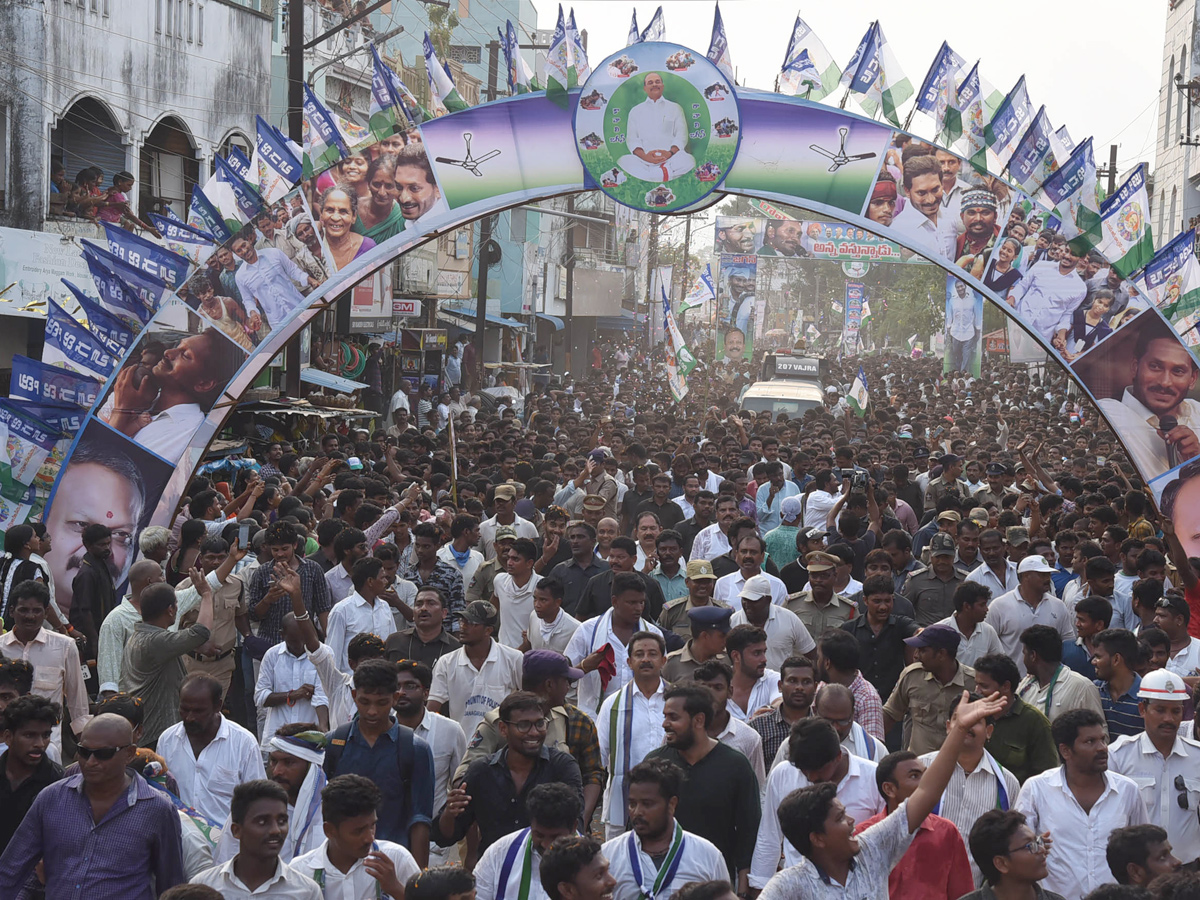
pixel 1192 595
pixel 935 866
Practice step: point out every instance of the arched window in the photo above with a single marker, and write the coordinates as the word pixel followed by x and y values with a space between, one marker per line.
pixel 169 167
pixel 87 135
pixel 1173 221
pixel 1181 106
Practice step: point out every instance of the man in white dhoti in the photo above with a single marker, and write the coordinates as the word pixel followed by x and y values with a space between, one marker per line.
pixel 656 135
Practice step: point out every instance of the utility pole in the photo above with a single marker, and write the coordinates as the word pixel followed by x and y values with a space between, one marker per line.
pixel 569 319
pixel 485 230
pixel 1112 169
pixel 295 118
pixel 652 259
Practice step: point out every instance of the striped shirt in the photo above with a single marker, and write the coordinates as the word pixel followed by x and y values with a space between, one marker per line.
pixel 1121 713
pixel 969 795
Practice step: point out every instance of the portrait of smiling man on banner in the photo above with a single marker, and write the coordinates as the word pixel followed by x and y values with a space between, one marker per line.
pixel 657 136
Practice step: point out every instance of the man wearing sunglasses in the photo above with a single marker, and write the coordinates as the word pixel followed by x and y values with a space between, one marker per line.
pixel 1165 765
pixel 493 792
pixel 131 829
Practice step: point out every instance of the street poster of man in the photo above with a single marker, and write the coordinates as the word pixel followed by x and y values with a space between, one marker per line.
pixel 964 328
pixel 658 125
pixel 168 384
pixel 109 481
pixel 1145 383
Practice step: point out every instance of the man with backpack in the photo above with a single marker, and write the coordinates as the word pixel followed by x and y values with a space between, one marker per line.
pixel 377 747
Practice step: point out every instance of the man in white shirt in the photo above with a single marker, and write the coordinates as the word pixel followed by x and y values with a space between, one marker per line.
pixel 751 551
pixel 1164 765
pixel 513 592
pixel 460 550
pixel 471 680
pixel 259 810
pixel 658 855
pixel 118 625
pixel 288 687
pixel 995 572
pixel 509 867
pixel 978 638
pixel 1172 615
pixel 630 724
pixel 815 755
pixel 208 754
pixel 164 409
pixel 504 504
pixel 924 221
pixel 1051 687
pixel 1080 804
pixel 786 634
pixel 614 628
pixel 268 279
pixel 349 547
pixel 754 686
pixel 1163 375
pixel 657 136
pixel 713 540
pixel 1048 295
pixel 363 612
pixel 550 627
pixel 352 864
pixel 1032 603
pixel 820 500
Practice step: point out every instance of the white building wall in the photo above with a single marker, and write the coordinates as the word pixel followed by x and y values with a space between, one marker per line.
pixel 1177 168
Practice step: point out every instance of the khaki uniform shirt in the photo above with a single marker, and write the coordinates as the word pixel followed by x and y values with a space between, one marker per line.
pixel 817 619
pixel 681 664
pixel 931 597
pixel 926 703
pixel 674 616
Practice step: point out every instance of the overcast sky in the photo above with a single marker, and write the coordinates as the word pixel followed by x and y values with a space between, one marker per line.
pixel 1097 66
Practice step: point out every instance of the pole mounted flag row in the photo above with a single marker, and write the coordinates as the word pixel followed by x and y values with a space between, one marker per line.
pixel 718 45
pixel 1126 241
pixel 441 86
pixel 808 68
pixel 520 78
pixel 701 293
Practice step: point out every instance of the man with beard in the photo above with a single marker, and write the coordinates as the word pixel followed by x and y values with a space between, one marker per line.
pixel 553 813
pixel 208 754
pixel 295 755
pixel 1081 798
pixel 740 284
pixel 268 279
pixel 488 795
pixel 1159 756
pixel 1137 854
pixel 1163 375
pixel 782 238
pixel 735 236
pixel 926 224
pixel 1048 295
pixel 658 854
pixel 797 686
pixel 161 411
pixel 726 812
pixel 93 593
pixel 979 223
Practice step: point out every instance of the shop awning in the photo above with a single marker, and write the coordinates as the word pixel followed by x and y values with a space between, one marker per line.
pixel 553 320
pixel 615 323
pixel 324 379
pixel 466 321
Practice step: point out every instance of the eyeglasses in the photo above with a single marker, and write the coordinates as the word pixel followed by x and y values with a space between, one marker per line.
pixel 1037 845
pixel 527 725
pixel 844 723
pixel 1181 786
pixel 104 754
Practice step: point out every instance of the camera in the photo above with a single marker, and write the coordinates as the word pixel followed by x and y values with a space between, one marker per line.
pixel 858 482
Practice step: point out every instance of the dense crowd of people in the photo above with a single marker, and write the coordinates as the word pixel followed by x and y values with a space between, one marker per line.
pixel 591 643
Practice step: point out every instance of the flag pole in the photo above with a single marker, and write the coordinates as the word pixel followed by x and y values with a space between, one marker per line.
pixel 908 121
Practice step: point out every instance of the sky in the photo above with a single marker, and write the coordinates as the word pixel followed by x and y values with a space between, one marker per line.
pixel 1096 66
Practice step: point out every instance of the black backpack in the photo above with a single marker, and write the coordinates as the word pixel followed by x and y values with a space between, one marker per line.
pixel 405 755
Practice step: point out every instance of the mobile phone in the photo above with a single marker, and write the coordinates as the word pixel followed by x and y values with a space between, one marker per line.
pixel 243 535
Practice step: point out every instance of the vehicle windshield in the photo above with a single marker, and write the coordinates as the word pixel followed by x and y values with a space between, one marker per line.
pixel 794 408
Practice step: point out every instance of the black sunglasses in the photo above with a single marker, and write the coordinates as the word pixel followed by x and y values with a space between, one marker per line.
pixel 1181 786
pixel 104 754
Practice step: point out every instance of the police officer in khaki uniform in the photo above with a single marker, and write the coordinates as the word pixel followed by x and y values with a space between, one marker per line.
pixel 231 608
pixel 700 579
pixel 931 589
pixel 708 627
